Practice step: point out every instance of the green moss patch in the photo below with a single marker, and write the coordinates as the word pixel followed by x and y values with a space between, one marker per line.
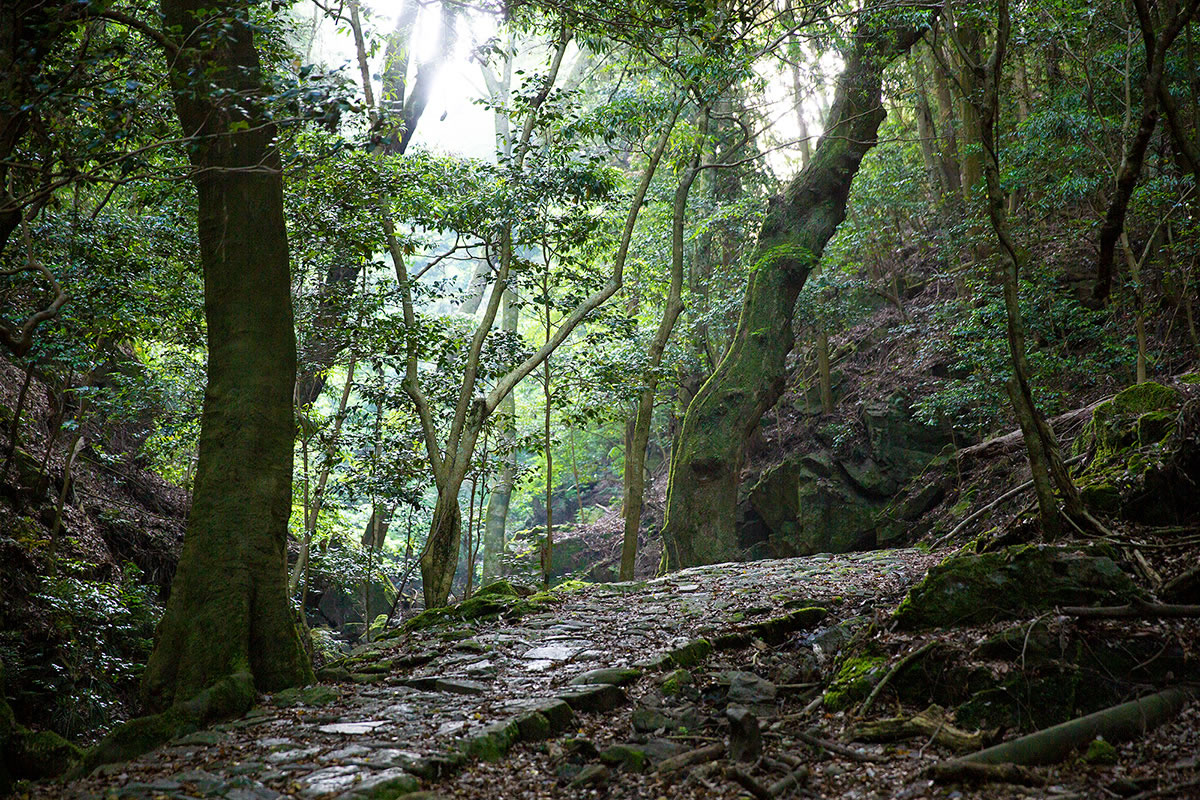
pixel 1008 584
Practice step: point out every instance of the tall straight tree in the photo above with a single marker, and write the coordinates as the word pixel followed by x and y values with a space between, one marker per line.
pixel 228 613
pixel 707 460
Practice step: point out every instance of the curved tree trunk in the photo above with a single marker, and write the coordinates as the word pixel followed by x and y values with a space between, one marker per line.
pixel 228 612
pixel 702 493
pixel 440 559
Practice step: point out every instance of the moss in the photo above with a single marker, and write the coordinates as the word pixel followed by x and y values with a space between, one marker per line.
pixel 1191 378
pixel 1009 583
pixel 1100 752
pixel 691 653
pixel 493 742
pixel 500 588
pixel 854 681
pixel 227 698
pixel 41 754
pixel 319 695
pixel 674 684
pixel 625 756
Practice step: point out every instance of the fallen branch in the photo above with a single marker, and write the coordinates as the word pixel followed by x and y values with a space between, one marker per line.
pixel 931 722
pixel 841 750
pixel 1166 791
pixel 793 780
pixel 691 758
pixel 900 665
pixel 979 512
pixel 959 770
pixel 749 783
pixel 1138 609
pixel 1116 724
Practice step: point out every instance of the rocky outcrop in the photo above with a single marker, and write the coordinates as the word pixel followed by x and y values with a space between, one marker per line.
pixel 1145 454
pixel 1008 584
pixel 839 498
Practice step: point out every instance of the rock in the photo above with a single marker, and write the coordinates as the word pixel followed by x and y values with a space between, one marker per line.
pixel 594 697
pixel 676 682
pixel 1011 583
pixel 854 681
pixel 776 631
pixel 39 754
pixel 593 775
pixel 691 654
pixel 618 676
pixel 551 652
pixel 460 686
pixel 386 785
pixel 836 499
pixel 492 742
pixel 318 695
pixel 1142 463
pixel 352 728
pixel 746 688
pixel 626 756
pixel 649 720
pixel 331 780
pixel 745 738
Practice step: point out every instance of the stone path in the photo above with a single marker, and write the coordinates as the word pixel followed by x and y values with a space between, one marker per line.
pixel 415 708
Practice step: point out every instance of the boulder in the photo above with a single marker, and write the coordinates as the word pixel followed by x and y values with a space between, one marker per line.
pixel 1144 452
pixel 1010 584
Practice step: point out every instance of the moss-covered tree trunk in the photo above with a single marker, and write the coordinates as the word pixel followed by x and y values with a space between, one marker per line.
pixel 702 493
pixel 229 612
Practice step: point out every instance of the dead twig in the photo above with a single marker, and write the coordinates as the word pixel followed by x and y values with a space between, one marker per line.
pixel 839 749
pixel 749 783
pixel 691 758
pixel 1166 791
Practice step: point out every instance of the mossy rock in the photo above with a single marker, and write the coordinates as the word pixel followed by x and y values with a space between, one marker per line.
pixel 1100 752
pixel 318 695
pixel 676 682
pixel 493 742
pixel 40 754
pixel 1012 583
pixel 1140 465
pixel 854 681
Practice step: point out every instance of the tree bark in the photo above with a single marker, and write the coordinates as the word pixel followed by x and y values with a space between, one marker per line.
pixel 706 462
pixel 634 477
pixel 1049 471
pixel 1156 40
pixel 228 612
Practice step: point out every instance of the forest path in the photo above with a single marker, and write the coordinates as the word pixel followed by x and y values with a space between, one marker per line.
pixel 417 703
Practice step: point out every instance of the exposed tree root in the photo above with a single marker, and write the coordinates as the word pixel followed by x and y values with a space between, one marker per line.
pixel 1116 724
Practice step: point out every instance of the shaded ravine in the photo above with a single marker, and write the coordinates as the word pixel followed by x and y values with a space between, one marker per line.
pixel 419 706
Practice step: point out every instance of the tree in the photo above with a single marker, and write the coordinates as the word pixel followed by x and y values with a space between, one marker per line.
pixel 706 463
pixel 228 613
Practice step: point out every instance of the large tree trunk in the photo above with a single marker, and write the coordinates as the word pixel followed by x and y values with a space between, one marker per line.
pixel 228 611
pixel 440 559
pixel 702 494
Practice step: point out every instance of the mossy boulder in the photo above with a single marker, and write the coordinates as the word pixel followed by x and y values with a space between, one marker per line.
pixel 1012 583
pixel 854 681
pixel 1140 463
pixel 500 598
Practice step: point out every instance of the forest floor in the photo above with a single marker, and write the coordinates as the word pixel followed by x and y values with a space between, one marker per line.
pixel 449 710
